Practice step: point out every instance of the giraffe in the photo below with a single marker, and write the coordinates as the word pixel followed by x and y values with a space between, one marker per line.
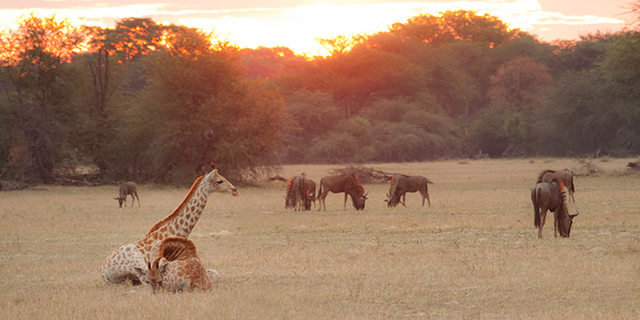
pixel 176 267
pixel 121 263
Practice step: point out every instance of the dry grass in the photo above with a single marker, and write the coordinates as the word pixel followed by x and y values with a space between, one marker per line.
pixel 473 254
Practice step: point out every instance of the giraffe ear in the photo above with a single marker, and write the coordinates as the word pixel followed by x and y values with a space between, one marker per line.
pixel 213 166
pixel 164 268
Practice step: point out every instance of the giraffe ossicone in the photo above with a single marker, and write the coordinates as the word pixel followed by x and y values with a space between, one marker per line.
pixel 120 265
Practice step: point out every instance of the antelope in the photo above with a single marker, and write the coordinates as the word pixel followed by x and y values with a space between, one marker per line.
pixel 128 188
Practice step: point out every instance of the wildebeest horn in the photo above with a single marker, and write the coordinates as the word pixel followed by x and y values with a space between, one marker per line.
pixel 573 215
pixel 365 196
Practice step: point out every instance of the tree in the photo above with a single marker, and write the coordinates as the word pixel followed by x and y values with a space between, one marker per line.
pixel 337 45
pixel 519 84
pixel 587 116
pixel 33 66
pixel 455 26
pixel 208 112
pixel 459 77
pixel 361 75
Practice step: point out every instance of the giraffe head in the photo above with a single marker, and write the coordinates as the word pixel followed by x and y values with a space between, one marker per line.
pixel 153 275
pixel 215 182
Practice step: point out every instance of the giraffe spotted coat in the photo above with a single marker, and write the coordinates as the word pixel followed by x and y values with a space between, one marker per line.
pixel 120 265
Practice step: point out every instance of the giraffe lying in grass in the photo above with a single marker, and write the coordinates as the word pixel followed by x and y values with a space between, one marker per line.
pixel 176 267
pixel 120 266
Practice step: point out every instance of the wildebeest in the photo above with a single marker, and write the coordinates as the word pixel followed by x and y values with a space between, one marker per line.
pixel 346 183
pixel 549 196
pixel 311 192
pixel 565 176
pixel 401 184
pixel 128 188
pixel 298 194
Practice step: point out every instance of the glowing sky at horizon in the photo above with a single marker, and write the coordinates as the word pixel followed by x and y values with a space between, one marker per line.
pixel 248 23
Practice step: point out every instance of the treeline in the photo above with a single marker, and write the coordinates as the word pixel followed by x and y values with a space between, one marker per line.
pixel 140 101
pixel 154 103
pixel 456 85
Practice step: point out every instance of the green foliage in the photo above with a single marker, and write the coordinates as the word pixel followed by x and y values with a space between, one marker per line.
pixel 6 136
pixel 334 147
pixel 621 64
pixel 152 102
pixel 38 86
pixel 487 133
pixel 519 84
pixel 208 113
pixel 459 77
pixel 590 115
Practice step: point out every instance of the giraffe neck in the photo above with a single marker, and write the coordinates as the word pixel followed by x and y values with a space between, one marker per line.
pixel 183 219
pixel 183 223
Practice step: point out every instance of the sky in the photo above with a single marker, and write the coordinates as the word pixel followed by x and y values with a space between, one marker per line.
pixel 296 24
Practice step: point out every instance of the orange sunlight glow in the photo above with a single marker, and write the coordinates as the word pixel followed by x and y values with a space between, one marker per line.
pixel 298 27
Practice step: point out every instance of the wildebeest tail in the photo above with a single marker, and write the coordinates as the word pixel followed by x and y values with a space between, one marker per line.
pixel 542 175
pixel 535 196
pixel 320 189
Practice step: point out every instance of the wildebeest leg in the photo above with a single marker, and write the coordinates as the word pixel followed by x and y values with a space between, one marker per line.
pixel 543 217
pixel 556 220
pixel 404 199
pixel 322 198
pixel 572 198
pixel 136 194
pixel 425 195
pixel 345 200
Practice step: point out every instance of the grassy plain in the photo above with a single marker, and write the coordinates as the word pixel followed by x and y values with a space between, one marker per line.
pixel 473 254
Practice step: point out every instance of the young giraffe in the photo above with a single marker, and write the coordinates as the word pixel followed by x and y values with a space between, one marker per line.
pixel 176 267
pixel 120 266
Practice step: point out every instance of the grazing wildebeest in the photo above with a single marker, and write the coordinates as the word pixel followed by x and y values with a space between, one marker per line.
pixel 128 188
pixel 290 196
pixel 565 176
pixel 401 184
pixel 311 192
pixel 298 194
pixel 346 183
pixel 549 196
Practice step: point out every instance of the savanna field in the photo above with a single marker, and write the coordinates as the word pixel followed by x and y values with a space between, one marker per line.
pixel 473 254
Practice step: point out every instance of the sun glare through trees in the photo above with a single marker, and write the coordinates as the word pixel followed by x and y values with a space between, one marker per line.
pixel 155 102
